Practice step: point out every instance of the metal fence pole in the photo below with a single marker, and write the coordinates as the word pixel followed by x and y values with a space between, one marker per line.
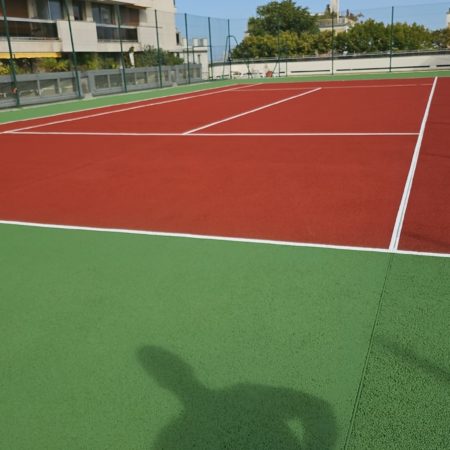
pixel 159 50
pixel 229 47
pixel 210 50
pixel 279 48
pixel 122 59
pixel 332 43
pixel 391 44
pixel 11 56
pixel 187 48
pixel 74 54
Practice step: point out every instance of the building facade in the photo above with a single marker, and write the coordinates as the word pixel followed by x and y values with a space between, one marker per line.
pixel 40 28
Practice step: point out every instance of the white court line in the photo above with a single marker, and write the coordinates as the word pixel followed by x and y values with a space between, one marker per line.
pixel 95 133
pixel 373 86
pixel 227 119
pixel 95 108
pixel 412 170
pixel 147 105
pixel 221 238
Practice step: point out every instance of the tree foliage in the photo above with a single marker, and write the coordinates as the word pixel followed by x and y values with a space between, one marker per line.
pixel 371 36
pixel 441 38
pixel 149 57
pixel 277 17
pixel 281 28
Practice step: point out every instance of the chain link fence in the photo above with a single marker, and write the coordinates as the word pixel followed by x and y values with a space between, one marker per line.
pixel 84 52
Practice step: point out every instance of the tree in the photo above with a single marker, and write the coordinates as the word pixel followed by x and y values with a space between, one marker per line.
pixel 365 37
pixel 411 37
pixel 149 57
pixel 283 29
pixel 266 46
pixel 284 15
pixel 441 38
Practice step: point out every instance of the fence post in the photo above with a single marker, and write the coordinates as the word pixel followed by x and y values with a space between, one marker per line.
pixel 210 49
pixel 332 43
pixel 279 48
pixel 159 50
pixel 391 44
pixel 122 59
pixel 229 47
pixel 187 48
pixel 11 56
pixel 74 54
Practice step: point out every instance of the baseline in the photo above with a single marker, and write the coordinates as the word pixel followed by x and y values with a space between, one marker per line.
pixel 222 238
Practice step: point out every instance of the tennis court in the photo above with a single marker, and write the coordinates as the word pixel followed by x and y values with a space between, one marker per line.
pixel 255 265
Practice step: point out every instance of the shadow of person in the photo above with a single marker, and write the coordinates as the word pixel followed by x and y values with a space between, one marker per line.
pixel 243 416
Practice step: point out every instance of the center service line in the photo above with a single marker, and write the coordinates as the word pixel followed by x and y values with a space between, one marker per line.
pixel 251 111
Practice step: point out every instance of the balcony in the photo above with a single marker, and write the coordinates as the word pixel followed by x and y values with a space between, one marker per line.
pixel 111 33
pixel 29 29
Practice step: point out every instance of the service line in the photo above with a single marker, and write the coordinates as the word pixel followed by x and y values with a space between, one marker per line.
pixel 270 105
pixel 325 87
pixel 156 134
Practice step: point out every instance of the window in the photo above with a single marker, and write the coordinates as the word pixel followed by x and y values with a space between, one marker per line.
pixel 103 14
pixel 56 9
pixel 42 11
pixel 78 10
pixel 129 16
pixel 18 8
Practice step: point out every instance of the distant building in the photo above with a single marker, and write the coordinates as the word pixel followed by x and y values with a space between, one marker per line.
pixel 339 24
pixel 448 19
pixel 40 28
pixel 332 19
pixel 335 7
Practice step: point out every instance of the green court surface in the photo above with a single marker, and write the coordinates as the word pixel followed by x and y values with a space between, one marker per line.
pixel 115 341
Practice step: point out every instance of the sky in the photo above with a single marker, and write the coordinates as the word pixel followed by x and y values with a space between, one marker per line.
pixel 431 12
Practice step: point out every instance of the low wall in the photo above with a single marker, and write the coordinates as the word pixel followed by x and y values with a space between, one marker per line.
pixel 341 64
pixel 58 86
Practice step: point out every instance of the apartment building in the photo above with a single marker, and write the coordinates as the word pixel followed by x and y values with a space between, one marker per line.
pixel 40 28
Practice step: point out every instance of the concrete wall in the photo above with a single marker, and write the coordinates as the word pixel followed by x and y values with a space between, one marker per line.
pixel 51 87
pixel 345 65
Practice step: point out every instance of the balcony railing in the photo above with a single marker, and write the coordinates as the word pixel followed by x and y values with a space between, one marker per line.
pixel 337 22
pixel 111 33
pixel 29 28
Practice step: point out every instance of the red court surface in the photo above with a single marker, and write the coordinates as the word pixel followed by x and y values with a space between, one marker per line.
pixel 342 185
pixel 427 222
pixel 295 190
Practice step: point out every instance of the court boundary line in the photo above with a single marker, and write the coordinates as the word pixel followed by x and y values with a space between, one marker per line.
pixel 401 213
pixel 254 110
pixel 157 102
pixel 221 238
pixel 372 86
pixel 47 116
pixel 93 108
pixel 156 134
